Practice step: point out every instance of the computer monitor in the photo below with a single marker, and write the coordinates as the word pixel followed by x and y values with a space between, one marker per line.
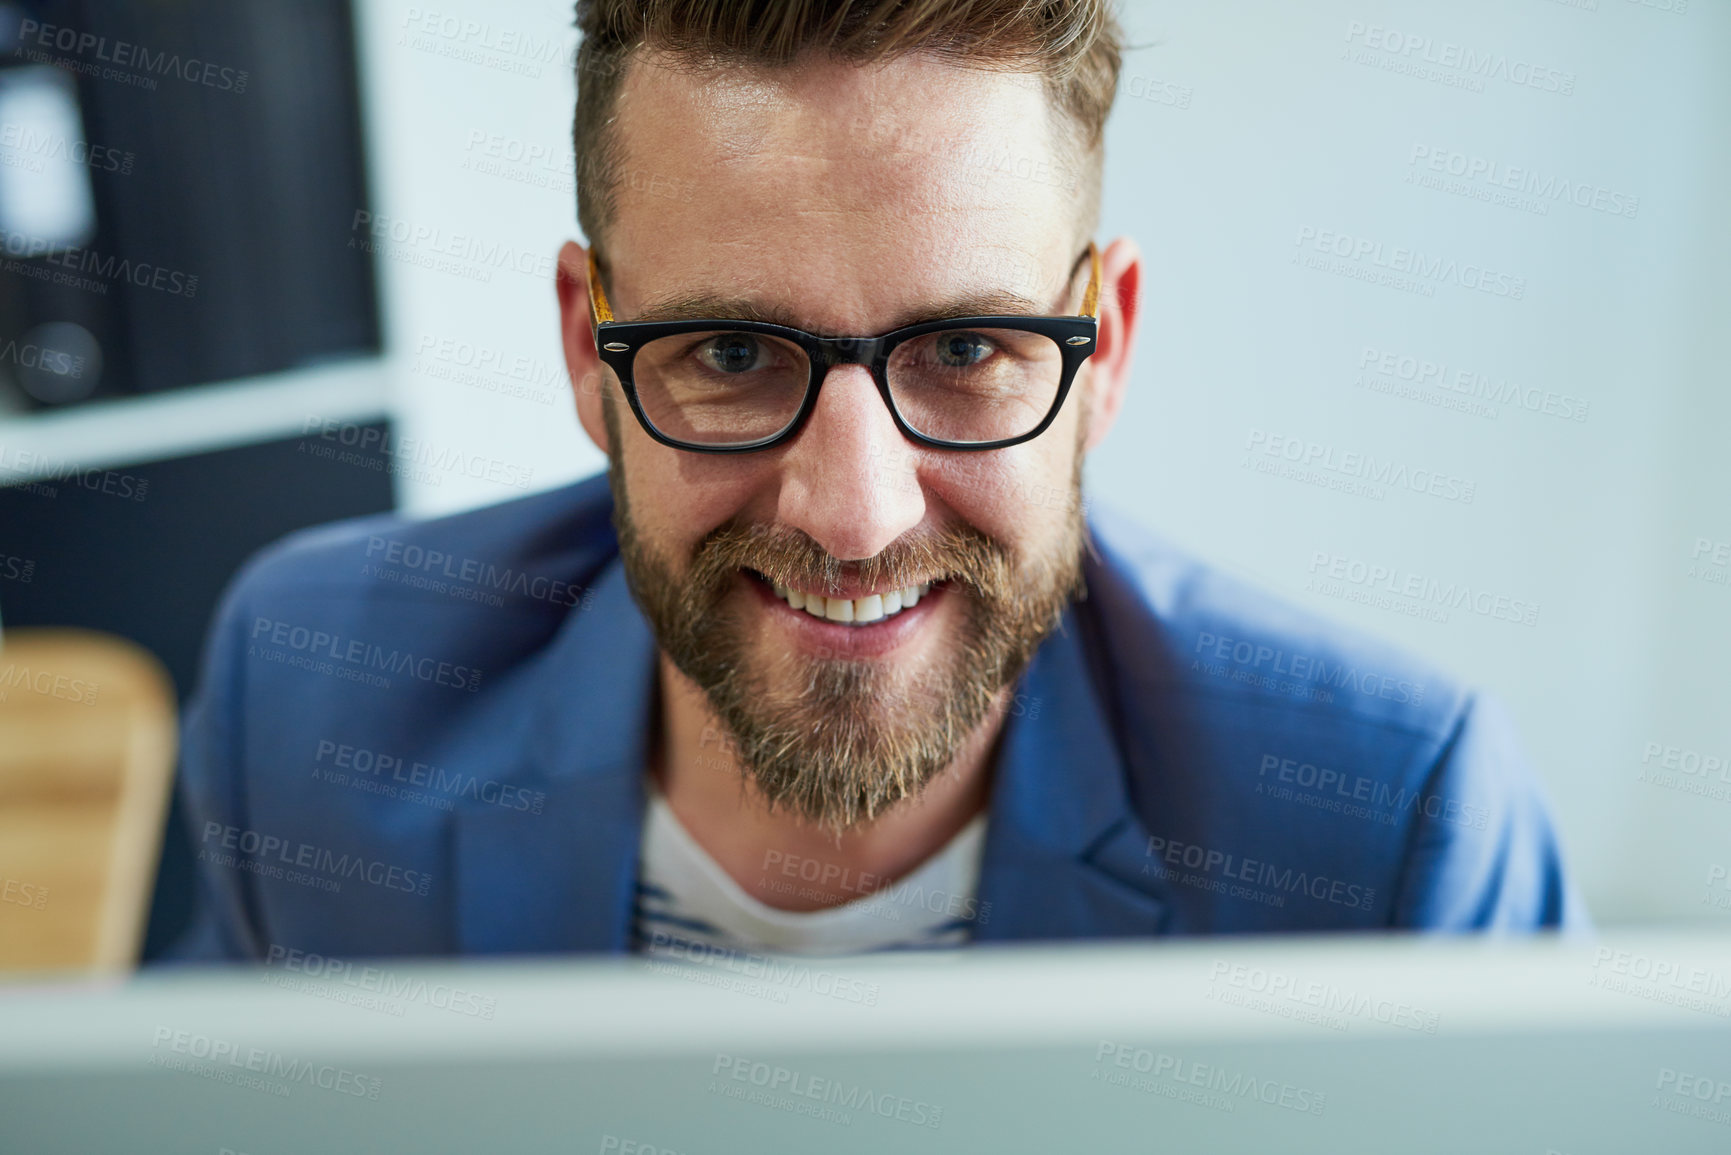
pixel 1231 1044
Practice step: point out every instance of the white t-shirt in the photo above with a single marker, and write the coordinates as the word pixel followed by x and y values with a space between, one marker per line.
pixel 684 899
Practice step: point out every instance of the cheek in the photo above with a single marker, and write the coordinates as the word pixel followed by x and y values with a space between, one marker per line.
pixel 1016 495
pixel 677 498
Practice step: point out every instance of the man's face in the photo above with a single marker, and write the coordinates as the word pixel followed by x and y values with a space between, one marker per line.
pixel 846 201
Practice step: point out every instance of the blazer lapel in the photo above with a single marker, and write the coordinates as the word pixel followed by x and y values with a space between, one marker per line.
pixel 1064 851
pixel 562 879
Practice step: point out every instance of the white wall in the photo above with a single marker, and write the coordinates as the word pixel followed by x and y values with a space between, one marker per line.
pixel 469 122
pixel 1594 520
pixel 1241 125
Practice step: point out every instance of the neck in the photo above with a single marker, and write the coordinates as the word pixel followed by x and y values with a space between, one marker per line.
pixel 775 856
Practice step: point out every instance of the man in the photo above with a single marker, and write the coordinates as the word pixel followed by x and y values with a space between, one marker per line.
pixel 833 659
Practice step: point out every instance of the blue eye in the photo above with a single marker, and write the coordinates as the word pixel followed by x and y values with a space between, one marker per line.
pixel 962 350
pixel 733 353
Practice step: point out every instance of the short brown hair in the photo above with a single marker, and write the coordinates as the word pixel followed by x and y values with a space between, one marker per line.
pixel 1076 45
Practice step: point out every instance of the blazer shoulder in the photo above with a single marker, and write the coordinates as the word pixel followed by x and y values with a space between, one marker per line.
pixel 1254 732
pixel 503 547
pixel 1184 629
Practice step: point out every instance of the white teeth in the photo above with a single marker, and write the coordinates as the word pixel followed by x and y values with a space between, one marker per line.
pixel 856 611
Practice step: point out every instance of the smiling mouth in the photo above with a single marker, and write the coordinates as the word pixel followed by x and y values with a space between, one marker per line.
pixel 865 610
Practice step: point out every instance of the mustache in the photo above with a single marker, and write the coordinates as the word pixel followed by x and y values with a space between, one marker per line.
pixel 790 557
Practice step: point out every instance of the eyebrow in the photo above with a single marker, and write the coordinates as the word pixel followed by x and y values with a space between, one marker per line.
pixel 698 306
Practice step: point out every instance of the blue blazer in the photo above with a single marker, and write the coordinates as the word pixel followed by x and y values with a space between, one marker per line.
pixel 430 738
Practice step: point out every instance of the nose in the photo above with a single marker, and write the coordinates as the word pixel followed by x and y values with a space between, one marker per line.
pixel 846 479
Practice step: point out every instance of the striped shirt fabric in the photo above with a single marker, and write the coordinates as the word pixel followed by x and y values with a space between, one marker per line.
pixel 688 907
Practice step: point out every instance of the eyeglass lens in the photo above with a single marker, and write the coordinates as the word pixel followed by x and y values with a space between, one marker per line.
pixel 957 385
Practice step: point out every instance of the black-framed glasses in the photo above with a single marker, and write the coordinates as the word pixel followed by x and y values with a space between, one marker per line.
pixel 722 386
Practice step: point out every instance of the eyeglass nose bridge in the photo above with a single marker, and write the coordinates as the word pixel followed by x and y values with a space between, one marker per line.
pixel 828 352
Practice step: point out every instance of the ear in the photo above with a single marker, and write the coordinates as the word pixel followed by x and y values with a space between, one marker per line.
pixel 1109 367
pixel 588 375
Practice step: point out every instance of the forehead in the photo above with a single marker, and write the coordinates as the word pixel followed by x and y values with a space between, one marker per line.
pixel 849 190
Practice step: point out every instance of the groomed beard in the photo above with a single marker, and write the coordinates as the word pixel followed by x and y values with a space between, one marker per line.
pixel 833 739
